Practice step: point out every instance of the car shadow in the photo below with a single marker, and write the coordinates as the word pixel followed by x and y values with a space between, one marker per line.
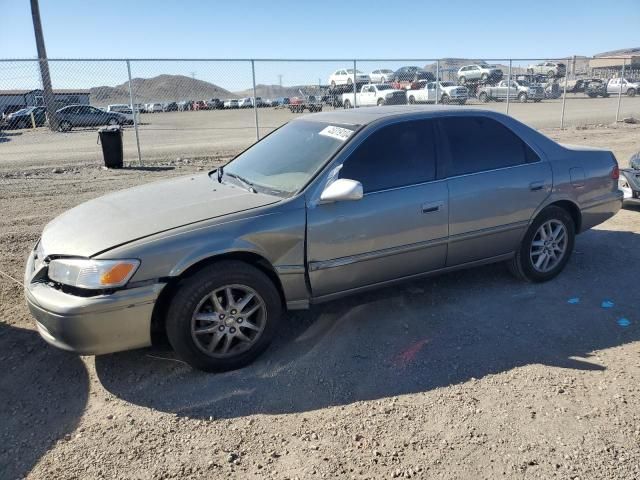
pixel 43 393
pixel 410 338
pixel 142 168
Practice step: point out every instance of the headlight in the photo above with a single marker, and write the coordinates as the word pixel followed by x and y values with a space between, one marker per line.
pixel 92 274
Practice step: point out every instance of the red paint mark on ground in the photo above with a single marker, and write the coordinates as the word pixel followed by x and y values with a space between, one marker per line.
pixel 409 354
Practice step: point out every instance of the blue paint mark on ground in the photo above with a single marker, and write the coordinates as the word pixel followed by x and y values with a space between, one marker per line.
pixel 606 304
pixel 573 300
pixel 623 322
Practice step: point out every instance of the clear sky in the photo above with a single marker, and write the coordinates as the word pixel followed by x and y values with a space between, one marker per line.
pixel 325 29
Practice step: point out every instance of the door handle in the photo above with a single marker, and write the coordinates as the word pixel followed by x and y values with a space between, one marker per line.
pixel 432 207
pixel 536 186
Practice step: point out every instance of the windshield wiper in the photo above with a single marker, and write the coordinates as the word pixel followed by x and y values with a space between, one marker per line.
pixel 244 181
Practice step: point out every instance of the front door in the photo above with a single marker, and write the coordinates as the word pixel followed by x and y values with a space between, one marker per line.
pixel 496 183
pixel 399 228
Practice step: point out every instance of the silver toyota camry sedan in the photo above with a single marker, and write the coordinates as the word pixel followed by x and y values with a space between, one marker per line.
pixel 327 205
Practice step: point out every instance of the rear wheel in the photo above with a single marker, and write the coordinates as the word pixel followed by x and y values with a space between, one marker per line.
pixel 484 77
pixel 64 126
pixel 462 80
pixel 546 247
pixel 380 102
pixel 522 97
pixel 224 316
pixel 551 74
pixel 412 99
pixel 347 104
pixel 445 99
pixel 631 92
pixel 483 97
pixel 113 121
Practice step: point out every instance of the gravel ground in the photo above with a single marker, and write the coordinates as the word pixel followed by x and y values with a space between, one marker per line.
pixel 467 375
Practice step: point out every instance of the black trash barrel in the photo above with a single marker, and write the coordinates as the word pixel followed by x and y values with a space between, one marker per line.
pixel 111 140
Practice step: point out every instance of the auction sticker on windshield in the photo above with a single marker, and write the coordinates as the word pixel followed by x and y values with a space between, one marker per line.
pixel 336 132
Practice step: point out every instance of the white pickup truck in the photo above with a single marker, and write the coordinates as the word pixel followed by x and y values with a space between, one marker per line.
pixel 447 91
pixel 371 95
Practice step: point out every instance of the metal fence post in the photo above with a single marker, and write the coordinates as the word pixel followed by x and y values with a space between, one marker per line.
pixel 509 84
pixel 133 111
pixel 437 81
pixel 564 97
pixel 624 62
pixel 255 101
pixel 355 98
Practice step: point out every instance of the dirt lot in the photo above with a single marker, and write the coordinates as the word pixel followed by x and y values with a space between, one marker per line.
pixel 465 376
pixel 167 136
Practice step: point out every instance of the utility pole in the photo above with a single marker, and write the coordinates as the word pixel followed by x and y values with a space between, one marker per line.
pixel 47 90
pixel 280 79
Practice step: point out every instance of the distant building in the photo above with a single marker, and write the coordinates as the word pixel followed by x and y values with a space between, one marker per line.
pixel 12 100
pixel 614 60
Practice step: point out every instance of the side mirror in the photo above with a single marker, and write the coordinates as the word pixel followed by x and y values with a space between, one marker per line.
pixel 342 189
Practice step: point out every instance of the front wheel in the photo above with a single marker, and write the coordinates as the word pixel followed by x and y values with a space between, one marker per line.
pixel 346 104
pixel 522 98
pixel 64 126
pixel 113 122
pixel 462 80
pixel 412 99
pixel 631 92
pixel 483 97
pixel 224 316
pixel 380 102
pixel 445 100
pixel 546 247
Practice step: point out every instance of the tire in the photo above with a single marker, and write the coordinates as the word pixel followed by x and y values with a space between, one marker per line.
pixel 380 102
pixel 592 95
pixel 631 92
pixel 484 77
pixel 113 121
pixel 333 84
pixel 462 80
pixel 445 99
pixel 65 126
pixel 349 81
pixel 522 98
pixel 551 74
pixel 412 99
pixel 537 100
pixel 195 294
pixel 483 97
pixel 522 265
pixel 462 102
pixel 346 104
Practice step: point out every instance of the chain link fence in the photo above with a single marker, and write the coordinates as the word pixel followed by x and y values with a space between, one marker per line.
pixel 175 108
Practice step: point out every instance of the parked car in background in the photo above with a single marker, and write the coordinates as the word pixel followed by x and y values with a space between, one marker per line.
pixel 407 77
pixel 170 107
pixel 312 103
pixel 448 92
pixel 479 72
pixel 200 105
pixel 87 116
pixel 185 105
pixel 26 118
pixel 346 76
pixel 596 87
pixel 154 107
pixel 415 192
pixel 616 85
pixel 231 103
pixel 215 104
pixel 246 102
pixel 375 94
pixel 550 69
pixel 123 109
pixel 528 91
pixel 519 90
pixel 382 75
pixel 9 109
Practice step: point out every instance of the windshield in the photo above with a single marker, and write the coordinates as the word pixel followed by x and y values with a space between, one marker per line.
pixel 384 87
pixel 447 84
pixel 351 71
pixel 286 160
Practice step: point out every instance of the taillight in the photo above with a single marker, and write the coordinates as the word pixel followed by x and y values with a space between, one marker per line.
pixel 615 172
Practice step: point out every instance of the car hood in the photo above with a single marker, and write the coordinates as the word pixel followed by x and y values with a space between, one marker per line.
pixel 127 215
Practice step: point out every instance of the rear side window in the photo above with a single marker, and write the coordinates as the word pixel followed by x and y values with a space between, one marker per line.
pixel 480 143
pixel 394 156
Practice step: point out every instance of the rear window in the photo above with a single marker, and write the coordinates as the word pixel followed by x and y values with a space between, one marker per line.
pixel 479 143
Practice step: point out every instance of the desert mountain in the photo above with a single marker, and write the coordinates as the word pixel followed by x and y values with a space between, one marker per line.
pixel 163 88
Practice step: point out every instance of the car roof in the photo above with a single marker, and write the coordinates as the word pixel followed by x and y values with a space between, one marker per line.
pixel 365 116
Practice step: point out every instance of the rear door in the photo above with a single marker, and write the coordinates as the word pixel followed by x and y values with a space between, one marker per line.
pixel 399 228
pixel 496 183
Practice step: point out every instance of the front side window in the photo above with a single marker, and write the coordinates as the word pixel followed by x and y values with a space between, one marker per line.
pixel 394 156
pixel 479 143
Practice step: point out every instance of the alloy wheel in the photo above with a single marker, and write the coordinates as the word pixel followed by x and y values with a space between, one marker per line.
pixel 549 246
pixel 228 321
